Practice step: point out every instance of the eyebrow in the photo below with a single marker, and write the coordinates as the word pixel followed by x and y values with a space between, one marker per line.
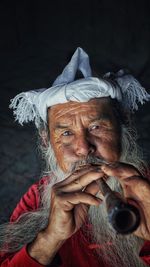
pixel 105 117
pixel 61 126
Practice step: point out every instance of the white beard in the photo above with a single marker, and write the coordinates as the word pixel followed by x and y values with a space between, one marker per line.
pixel 124 249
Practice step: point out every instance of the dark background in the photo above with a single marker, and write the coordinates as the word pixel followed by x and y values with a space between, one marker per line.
pixel 37 39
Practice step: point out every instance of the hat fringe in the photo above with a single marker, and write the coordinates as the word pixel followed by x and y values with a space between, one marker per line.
pixel 23 110
pixel 133 92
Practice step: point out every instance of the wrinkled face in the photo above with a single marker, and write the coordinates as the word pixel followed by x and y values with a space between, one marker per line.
pixel 78 129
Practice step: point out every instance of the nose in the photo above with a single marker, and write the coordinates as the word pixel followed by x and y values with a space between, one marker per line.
pixel 83 146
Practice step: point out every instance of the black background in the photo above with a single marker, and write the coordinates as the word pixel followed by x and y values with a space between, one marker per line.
pixel 37 39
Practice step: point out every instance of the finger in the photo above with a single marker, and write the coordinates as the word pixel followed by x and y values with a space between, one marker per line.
pixel 92 188
pixel 77 174
pixel 120 170
pixel 70 200
pixel 135 180
pixel 138 188
pixel 81 182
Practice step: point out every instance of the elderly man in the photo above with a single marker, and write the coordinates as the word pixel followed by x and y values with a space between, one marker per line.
pixel 62 220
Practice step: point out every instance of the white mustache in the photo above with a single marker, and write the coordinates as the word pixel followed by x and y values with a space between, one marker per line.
pixel 90 160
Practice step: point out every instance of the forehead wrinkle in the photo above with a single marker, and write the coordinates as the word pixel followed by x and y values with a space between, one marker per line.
pixel 73 107
pixel 74 110
pixel 67 115
pixel 77 111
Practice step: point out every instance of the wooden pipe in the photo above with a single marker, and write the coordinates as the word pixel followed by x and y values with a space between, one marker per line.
pixel 124 217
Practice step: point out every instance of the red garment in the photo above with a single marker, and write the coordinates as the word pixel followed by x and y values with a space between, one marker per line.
pixel 76 252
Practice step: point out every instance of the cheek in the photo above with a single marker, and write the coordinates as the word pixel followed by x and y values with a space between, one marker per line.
pixel 109 151
pixel 64 155
pixel 108 146
pixel 61 149
pixel 57 147
pixel 68 154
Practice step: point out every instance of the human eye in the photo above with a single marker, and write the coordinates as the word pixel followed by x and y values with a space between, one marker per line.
pixel 67 133
pixel 94 127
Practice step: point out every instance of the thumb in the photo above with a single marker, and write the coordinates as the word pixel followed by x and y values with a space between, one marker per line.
pixel 120 170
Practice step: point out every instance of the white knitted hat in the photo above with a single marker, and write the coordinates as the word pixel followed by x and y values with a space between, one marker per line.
pixel 33 105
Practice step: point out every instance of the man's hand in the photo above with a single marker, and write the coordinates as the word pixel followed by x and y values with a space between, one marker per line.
pixel 137 191
pixel 70 201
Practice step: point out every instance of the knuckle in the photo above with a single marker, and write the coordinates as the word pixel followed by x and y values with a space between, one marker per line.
pixel 76 194
pixel 55 189
pixel 57 198
pixel 81 171
pixel 76 173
